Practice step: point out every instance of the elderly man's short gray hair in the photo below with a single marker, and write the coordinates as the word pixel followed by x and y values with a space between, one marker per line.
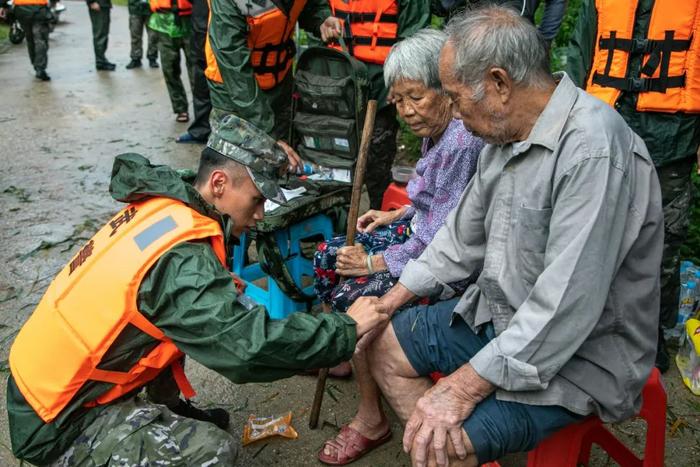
pixel 416 58
pixel 496 36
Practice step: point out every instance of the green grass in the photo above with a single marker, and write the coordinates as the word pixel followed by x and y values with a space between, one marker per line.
pixel 4 31
pixel 120 2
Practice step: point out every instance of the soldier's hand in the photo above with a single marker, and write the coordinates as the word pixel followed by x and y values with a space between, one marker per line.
pixel 94 6
pixel 369 313
pixel 331 29
pixel 295 163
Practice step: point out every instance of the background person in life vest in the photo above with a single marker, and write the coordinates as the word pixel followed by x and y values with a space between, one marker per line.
pixel 175 291
pixel 250 50
pixel 370 28
pixel 171 22
pixel 35 15
pixel 667 119
pixel 100 14
pixel 139 14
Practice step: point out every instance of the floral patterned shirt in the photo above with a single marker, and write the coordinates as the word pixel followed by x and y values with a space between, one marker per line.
pixel 443 172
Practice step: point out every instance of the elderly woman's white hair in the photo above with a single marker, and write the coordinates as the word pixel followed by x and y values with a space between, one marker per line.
pixel 416 58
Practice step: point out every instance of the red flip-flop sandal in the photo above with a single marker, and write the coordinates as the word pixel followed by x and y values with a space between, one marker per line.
pixel 349 446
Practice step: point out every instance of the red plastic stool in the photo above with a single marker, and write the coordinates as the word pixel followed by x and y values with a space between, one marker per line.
pixel 395 197
pixel 572 445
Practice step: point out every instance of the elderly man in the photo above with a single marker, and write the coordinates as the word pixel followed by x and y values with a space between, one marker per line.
pixel 563 222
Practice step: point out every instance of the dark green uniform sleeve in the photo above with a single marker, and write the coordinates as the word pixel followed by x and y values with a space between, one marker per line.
pixel 579 57
pixel 228 39
pixel 191 297
pixel 413 16
pixel 313 15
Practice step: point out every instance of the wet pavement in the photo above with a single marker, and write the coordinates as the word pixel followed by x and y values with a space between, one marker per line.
pixel 57 143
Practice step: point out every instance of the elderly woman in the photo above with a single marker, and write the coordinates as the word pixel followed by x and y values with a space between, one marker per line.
pixel 388 240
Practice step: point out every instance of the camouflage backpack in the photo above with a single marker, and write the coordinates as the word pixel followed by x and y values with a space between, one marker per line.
pixel 330 98
pixel 331 89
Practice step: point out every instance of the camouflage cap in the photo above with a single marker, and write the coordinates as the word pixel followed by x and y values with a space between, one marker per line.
pixel 243 142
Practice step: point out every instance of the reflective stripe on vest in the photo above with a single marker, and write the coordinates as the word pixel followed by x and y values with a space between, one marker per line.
pixel 269 40
pixel 92 300
pixel 370 27
pixel 30 2
pixel 669 79
pixel 181 7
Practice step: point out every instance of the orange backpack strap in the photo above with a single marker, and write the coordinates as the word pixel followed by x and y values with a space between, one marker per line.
pixel 181 380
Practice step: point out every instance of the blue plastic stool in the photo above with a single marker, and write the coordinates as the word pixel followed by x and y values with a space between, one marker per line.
pixel 288 240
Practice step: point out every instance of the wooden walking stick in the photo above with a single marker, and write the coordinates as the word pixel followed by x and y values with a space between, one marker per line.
pixel 350 237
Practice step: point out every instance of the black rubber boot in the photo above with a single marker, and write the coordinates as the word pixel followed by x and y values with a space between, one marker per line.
pixel 41 74
pixel 218 417
pixel 153 63
pixel 134 64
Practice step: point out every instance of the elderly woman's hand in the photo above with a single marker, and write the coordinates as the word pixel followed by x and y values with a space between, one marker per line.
pixel 373 219
pixel 351 261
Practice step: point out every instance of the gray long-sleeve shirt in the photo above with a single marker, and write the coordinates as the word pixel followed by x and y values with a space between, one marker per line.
pixel 566 228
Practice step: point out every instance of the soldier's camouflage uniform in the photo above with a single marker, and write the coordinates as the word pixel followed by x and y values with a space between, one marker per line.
pixel 672 140
pixel 173 35
pixel 35 22
pixel 100 21
pixel 139 14
pixel 134 433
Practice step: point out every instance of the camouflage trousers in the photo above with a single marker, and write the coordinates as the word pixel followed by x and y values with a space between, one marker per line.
pixel 170 61
pixel 677 194
pixel 137 23
pixel 382 151
pixel 37 35
pixel 138 433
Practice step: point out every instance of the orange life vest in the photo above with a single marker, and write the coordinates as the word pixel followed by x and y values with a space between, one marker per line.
pixel 93 299
pixel 269 40
pixel 181 7
pixel 30 2
pixel 669 80
pixel 370 27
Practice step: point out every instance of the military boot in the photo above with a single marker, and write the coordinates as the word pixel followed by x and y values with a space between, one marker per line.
pixel 41 74
pixel 218 417
pixel 134 63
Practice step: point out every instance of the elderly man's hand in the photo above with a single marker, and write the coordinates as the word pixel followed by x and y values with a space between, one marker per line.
pixel 331 29
pixel 441 412
pixel 369 313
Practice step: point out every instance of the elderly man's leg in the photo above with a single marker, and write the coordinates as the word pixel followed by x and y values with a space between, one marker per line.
pixel 402 387
pixel 424 339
